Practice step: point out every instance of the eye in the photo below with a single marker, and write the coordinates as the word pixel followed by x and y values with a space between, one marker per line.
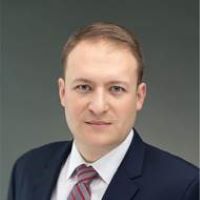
pixel 117 89
pixel 84 88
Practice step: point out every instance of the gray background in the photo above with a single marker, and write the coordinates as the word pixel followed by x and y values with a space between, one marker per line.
pixel 33 35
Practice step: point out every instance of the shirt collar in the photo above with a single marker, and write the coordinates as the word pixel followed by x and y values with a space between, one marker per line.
pixel 75 160
pixel 102 165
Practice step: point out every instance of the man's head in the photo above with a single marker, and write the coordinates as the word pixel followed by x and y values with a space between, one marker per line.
pixel 108 32
pixel 101 91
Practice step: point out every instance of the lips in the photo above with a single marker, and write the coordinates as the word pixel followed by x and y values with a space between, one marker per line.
pixel 98 123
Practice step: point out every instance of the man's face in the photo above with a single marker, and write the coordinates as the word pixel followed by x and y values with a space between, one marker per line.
pixel 100 94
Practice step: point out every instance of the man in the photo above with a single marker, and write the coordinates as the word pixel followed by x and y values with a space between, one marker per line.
pixel 101 92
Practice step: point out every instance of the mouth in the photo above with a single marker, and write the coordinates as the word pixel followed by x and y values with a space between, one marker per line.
pixel 98 123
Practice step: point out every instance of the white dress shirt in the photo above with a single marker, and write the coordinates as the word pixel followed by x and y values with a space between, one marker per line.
pixel 106 167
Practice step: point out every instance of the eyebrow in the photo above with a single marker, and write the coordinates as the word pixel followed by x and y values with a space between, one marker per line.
pixel 82 80
pixel 92 82
pixel 118 82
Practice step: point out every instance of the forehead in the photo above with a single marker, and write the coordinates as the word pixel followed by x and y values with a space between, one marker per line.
pixel 88 49
pixel 102 58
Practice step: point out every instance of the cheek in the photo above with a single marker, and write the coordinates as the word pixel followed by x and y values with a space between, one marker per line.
pixel 128 105
pixel 127 110
pixel 74 106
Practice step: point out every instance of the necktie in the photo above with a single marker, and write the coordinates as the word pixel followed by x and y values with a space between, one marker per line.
pixel 81 190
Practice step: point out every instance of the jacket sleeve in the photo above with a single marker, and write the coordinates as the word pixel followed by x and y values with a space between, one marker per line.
pixel 192 191
pixel 16 180
pixel 11 189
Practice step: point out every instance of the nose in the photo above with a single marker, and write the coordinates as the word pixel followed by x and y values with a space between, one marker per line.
pixel 98 104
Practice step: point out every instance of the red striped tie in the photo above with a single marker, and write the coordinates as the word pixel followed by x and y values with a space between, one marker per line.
pixel 81 190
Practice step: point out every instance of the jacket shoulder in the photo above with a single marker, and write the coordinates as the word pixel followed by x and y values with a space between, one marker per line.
pixel 37 157
pixel 166 163
pixel 43 151
pixel 30 166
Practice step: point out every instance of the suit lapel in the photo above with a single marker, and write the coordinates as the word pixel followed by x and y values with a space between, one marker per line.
pixel 124 184
pixel 46 182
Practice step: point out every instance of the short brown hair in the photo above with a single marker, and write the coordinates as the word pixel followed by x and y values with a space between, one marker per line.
pixel 108 32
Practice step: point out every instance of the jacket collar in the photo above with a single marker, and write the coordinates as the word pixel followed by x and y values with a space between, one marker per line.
pixel 49 175
pixel 123 185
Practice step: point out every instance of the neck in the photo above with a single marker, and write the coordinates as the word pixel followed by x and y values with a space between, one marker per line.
pixel 92 154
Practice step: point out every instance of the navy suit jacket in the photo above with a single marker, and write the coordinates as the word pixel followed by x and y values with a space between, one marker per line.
pixel 146 173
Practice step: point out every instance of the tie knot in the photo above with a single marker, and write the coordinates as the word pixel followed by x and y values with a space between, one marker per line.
pixel 86 174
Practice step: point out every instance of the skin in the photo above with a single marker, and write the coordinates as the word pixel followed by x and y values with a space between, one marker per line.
pixel 100 96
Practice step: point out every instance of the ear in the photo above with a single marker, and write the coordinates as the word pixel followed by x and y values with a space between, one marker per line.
pixel 61 89
pixel 141 94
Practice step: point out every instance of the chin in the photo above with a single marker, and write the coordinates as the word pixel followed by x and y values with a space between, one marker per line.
pixel 102 142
